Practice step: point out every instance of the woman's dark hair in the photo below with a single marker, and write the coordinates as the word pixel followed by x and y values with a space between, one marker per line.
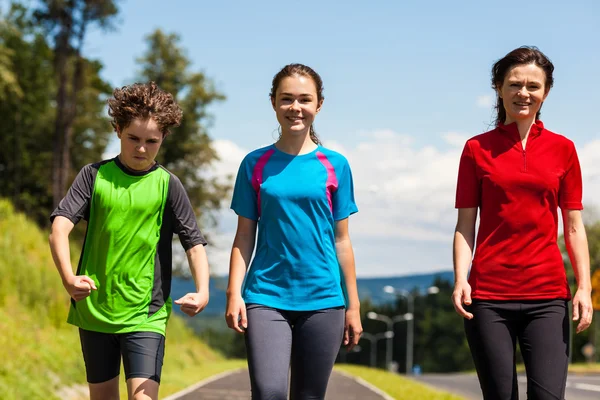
pixel 302 70
pixel 522 56
pixel 143 101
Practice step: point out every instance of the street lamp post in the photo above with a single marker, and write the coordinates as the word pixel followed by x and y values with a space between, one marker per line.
pixel 390 328
pixel 409 317
pixel 373 346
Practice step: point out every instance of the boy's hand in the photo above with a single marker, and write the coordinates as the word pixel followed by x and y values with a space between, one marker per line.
pixel 193 303
pixel 79 286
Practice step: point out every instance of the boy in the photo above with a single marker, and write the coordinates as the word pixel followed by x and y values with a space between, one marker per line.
pixel 120 296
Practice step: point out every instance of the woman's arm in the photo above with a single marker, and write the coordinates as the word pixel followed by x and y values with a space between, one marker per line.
pixel 464 240
pixel 577 247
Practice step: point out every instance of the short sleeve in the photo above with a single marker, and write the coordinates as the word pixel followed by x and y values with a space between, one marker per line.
pixel 343 198
pixel 185 224
pixel 570 191
pixel 244 200
pixel 468 186
pixel 75 205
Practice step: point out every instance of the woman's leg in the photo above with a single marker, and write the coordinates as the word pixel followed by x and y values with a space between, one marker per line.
pixel 544 343
pixel 492 336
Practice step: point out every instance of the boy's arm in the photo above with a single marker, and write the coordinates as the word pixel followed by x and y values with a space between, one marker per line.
pixel 78 287
pixel 193 242
pixel 193 303
pixel 71 209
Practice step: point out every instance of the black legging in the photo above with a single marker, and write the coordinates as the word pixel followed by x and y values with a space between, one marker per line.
pixel 306 341
pixel 542 329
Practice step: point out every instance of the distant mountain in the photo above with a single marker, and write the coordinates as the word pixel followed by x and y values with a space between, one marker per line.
pixel 371 288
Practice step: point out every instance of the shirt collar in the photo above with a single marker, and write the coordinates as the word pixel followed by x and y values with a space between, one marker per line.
pixel 512 130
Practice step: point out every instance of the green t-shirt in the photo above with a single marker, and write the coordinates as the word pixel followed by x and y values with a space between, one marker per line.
pixel 132 217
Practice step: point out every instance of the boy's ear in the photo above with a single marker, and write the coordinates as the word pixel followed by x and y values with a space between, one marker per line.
pixel 118 132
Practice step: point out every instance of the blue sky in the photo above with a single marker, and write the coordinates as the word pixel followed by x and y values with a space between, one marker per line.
pixel 406 82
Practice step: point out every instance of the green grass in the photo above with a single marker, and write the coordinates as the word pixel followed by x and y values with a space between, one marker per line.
pixel 585 368
pixel 40 352
pixel 395 385
pixel 578 368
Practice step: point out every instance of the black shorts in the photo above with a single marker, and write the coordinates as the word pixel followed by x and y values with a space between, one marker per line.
pixel 142 352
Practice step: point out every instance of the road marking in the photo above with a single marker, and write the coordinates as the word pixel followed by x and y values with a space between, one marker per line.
pixel 584 386
pixel 574 385
pixel 366 384
pixel 198 385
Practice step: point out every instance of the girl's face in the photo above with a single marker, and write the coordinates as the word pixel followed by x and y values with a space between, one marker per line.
pixel 523 92
pixel 296 104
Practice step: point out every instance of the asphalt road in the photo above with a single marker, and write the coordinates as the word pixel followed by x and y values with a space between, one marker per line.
pixel 236 386
pixel 579 387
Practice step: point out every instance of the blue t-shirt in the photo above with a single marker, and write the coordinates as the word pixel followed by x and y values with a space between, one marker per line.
pixel 296 201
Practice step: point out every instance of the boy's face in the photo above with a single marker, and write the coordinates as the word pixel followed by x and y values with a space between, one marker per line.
pixel 140 143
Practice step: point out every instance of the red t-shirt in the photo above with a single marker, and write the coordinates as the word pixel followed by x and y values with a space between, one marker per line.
pixel 518 192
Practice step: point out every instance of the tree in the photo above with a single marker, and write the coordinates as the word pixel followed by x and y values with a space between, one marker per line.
pixel 67 22
pixel 26 143
pixel 26 119
pixel 188 153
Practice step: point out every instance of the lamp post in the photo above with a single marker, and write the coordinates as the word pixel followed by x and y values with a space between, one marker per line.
pixel 409 317
pixel 390 328
pixel 373 347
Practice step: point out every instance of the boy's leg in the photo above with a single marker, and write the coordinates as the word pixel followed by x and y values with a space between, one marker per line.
pixel 492 337
pixel 317 338
pixel 143 354
pixel 269 346
pixel 142 389
pixel 102 358
pixel 544 342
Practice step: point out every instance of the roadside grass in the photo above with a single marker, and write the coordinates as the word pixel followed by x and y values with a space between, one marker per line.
pixel 396 386
pixel 592 368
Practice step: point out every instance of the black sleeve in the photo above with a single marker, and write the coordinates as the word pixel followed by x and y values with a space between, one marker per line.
pixel 184 219
pixel 75 205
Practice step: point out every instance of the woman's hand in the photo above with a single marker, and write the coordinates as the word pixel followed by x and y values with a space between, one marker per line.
pixel 582 309
pixel 460 296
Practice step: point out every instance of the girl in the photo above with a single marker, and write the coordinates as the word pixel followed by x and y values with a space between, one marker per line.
pixel 299 300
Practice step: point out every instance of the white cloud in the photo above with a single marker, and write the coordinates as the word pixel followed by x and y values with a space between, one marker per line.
pixel 485 101
pixel 405 196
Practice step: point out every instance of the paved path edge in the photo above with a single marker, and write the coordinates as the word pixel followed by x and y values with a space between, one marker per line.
pixel 366 384
pixel 204 382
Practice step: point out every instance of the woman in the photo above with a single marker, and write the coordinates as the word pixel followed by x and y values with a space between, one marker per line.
pixel 299 299
pixel 517 175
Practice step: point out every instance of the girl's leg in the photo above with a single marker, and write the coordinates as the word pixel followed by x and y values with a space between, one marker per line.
pixel 317 337
pixel 268 344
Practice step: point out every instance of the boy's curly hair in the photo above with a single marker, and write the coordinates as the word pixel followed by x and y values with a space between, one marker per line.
pixel 143 101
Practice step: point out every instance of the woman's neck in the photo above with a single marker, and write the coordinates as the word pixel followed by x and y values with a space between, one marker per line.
pixel 523 125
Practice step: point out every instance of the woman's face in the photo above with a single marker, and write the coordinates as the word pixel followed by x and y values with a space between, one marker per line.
pixel 523 92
